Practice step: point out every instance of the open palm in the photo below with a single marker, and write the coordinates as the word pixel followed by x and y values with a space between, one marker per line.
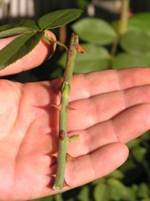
pixel 107 109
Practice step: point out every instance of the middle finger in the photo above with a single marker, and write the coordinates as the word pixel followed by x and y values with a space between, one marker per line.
pixel 88 112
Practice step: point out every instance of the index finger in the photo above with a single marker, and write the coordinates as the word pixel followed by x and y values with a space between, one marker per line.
pixel 32 59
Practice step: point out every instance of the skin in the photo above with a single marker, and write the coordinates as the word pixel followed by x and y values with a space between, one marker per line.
pixel 107 110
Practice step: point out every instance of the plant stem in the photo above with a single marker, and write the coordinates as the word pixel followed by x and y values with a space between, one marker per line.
pixel 122 26
pixel 114 47
pixel 65 92
pixel 62 45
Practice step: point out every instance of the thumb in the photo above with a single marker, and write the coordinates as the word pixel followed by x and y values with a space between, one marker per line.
pixel 32 59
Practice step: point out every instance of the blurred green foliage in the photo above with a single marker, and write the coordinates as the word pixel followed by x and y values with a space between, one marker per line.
pixel 83 3
pixel 94 30
pixel 131 182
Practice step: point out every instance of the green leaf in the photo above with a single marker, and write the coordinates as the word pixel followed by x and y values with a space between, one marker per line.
pixel 18 48
pixel 94 30
pixel 136 42
pixel 117 174
pixel 132 193
pixel 139 153
pixel 117 190
pixel 125 60
pixel 146 136
pixel 58 18
pixel 94 59
pixel 58 197
pixel 23 26
pixel 134 143
pixel 101 192
pixel 84 194
pixel 83 3
pixel 143 191
pixel 140 22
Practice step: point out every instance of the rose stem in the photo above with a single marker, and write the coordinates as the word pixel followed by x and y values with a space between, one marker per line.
pixel 65 92
pixel 122 27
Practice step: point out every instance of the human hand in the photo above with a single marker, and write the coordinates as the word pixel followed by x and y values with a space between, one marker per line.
pixel 107 109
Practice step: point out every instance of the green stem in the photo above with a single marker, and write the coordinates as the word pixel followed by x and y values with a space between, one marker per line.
pixel 62 45
pixel 65 91
pixel 48 40
pixel 114 47
pixel 122 26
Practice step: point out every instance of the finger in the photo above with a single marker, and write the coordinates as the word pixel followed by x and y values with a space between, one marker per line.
pixel 132 123
pixel 87 85
pixel 91 139
pixel 32 59
pixel 95 165
pixel 126 126
pixel 88 112
pixel 90 167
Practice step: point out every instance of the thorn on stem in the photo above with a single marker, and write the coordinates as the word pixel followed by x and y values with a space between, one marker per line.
pixel 73 138
pixel 62 45
pixel 66 185
pixel 57 107
pixel 54 155
pixel 80 49
pixel 69 157
pixel 61 135
pixel 71 108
